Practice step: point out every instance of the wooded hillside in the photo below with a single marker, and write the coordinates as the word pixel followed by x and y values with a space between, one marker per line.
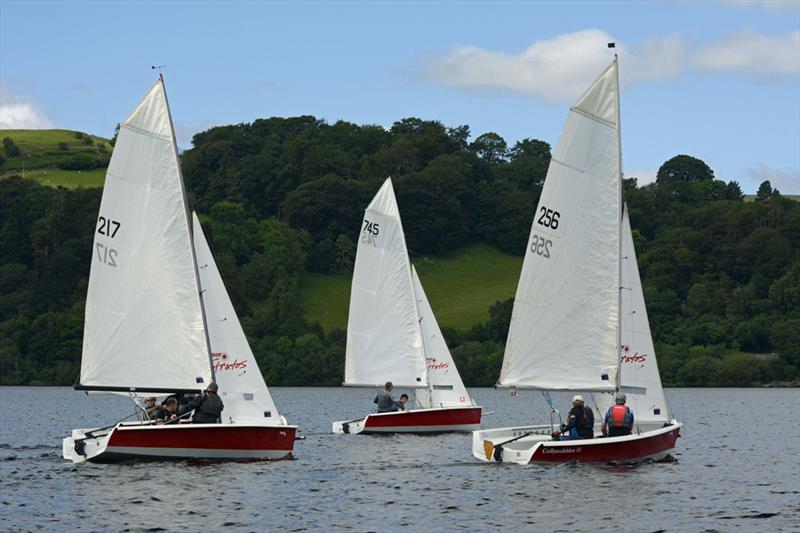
pixel 284 196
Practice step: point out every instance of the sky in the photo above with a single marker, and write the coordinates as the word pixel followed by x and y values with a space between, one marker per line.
pixel 715 80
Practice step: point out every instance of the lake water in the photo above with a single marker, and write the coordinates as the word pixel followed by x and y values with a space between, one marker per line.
pixel 737 468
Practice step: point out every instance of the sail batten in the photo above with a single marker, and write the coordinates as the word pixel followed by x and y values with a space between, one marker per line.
pixel 144 324
pixel 563 332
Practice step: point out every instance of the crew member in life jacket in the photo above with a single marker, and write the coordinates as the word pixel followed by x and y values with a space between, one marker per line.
pixel 580 421
pixel 619 418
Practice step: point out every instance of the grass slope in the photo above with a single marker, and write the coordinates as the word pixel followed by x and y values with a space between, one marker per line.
pixel 41 156
pixel 461 287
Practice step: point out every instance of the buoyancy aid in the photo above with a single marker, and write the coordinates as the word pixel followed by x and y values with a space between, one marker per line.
pixel 620 417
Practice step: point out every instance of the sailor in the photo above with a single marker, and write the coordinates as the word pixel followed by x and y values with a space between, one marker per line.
pixel 385 400
pixel 580 421
pixel 150 407
pixel 207 408
pixel 401 404
pixel 167 411
pixel 619 418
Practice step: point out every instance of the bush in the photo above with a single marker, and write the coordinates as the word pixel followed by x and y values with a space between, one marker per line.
pixel 64 147
pixel 79 162
pixel 12 150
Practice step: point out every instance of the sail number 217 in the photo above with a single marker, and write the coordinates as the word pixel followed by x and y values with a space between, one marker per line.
pixel 109 228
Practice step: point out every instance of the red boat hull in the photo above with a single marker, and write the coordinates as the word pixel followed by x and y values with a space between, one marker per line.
pixel 424 421
pixel 608 450
pixel 198 441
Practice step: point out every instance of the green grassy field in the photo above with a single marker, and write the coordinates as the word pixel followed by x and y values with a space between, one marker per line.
pixel 460 286
pixel 41 156
pixel 71 179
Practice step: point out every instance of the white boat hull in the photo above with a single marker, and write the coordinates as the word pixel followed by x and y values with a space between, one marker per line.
pixel 534 444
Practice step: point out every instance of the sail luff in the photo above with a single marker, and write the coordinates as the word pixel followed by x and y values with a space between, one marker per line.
pixel 190 226
pixel 619 225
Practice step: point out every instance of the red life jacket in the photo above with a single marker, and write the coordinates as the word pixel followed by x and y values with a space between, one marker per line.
pixel 619 417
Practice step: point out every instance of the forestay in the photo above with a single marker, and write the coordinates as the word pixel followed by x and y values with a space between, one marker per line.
pixel 241 384
pixel 639 378
pixel 144 326
pixel 384 342
pixel 563 332
pixel 445 386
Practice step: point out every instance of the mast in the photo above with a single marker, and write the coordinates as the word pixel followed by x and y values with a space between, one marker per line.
pixel 190 226
pixel 619 230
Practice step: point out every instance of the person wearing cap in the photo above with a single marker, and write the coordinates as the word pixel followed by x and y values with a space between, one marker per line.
pixel 580 421
pixel 207 408
pixel 151 407
pixel 619 418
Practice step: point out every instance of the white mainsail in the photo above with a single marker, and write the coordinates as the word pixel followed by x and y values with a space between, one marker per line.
pixel 384 342
pixel 241 384
pixel 144 326
pixel 563 333
pixel 446 388
pixel 639 378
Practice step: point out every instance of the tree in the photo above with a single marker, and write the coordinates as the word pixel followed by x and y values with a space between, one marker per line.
pixel 12 150
pixel 491 147
pixel 764 191
pixel 734 191
pixel 684 168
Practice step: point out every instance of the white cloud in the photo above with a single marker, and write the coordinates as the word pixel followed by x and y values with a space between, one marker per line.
pixel 786 181
pixel 184 132
pixel 559 69
pixel 768 5
pixel 752 52
pixel 21 113
pixel 643 175
pixel 555 70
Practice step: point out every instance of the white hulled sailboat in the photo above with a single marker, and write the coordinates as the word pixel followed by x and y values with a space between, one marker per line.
pixel 579 321
pixel 158 318
pixel 392 334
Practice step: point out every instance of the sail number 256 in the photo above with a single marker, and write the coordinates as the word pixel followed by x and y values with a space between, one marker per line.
pixel 541 246
pixel 549 218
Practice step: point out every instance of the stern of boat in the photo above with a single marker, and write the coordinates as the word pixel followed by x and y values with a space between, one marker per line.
pixel 351 427
pixel 509 445
pixel 84 444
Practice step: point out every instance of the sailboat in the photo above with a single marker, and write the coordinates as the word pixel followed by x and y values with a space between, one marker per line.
pixel 392 334
pixel 158 319
pixel 579 321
